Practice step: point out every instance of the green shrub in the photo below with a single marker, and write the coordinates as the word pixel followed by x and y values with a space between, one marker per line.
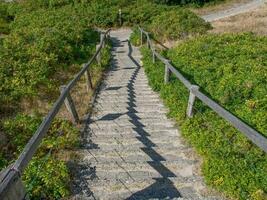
pixel 46 176
pixel 177 24
pixel 229 68
pixel 41 44
pixel 234 71
pixel 135 37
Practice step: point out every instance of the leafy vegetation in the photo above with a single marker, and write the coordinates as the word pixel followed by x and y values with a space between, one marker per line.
pixel 177 24
pixel 47 175
pixel 44 42
pixel 230 69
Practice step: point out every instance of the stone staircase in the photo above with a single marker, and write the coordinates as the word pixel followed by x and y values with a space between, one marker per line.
pixel 131 149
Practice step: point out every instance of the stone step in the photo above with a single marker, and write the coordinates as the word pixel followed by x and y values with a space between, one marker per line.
pixel 155 152
pixel 128 95
pixel 134 119
pixel 132 134
pixel 132 92
pixel 124 101
pixel 141 171
pixel 143 131
pixel 133 140
pixel 128 103
pixel 160 188
pixel 141 115
pixel 145 109
pixel 127 98
pixel 148 155
pixel 134 145
pixel 101 124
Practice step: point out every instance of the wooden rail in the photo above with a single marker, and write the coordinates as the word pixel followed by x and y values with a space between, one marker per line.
pixel 254 136
pixel 10 179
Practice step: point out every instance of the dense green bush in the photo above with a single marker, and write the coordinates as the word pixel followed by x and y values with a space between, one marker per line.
pixel 234 70
pixel 231 69
pixel 41 44
pixel 177 24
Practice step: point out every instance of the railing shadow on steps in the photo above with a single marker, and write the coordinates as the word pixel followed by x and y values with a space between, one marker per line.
pixel 162 187
pixel 11 186
pixel 253 135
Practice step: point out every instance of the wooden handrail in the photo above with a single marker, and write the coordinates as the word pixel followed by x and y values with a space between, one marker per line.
pixel 8 176
pixel 253 135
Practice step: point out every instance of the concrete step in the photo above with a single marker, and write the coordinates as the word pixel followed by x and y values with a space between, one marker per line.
pixel 133 145
pixel 124 101
pixel 160 188
pixel 142 158
pixel 131 124
pixel 142 131
pixel 141 115
pixel 156 152
pixel 131 134
pixel 129 104
pixel 145 109
pixel 152 135
pixel 133 140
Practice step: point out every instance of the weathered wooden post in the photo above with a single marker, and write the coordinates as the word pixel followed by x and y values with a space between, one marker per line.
pixel 191 101
pixel 16 189
pixel 102 38
pixel 70 105
pixel 98 57
pixel 167 74
pixel 89 84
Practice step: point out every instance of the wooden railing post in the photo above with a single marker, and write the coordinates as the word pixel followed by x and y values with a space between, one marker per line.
pixel 16 190
pixel 98 57
pixel 191 101
pixel 102 38
pixel 167 74
pixel 70 105
pixel 89 84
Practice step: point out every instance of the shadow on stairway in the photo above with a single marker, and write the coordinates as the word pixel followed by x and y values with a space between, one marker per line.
pixel 162 187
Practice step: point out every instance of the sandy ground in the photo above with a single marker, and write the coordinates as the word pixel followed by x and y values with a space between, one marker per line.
pixel 235 9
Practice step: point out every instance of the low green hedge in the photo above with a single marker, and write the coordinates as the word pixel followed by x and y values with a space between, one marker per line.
pixel 230 69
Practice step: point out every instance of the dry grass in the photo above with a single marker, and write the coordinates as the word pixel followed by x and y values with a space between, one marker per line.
pixel 218 7
pixel 254 21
